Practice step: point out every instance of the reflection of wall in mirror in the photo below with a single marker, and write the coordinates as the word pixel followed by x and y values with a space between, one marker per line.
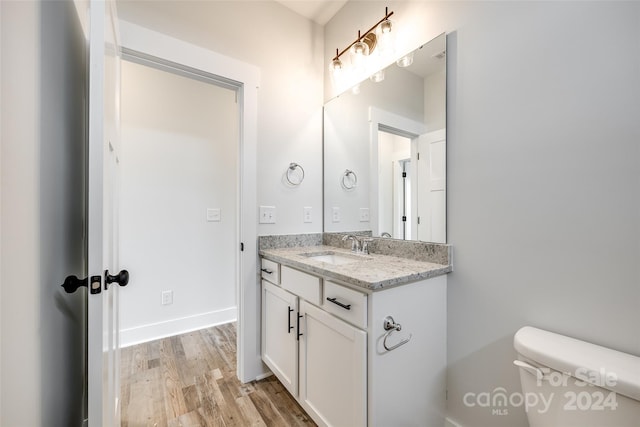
pixel 435 99
pixel 347 142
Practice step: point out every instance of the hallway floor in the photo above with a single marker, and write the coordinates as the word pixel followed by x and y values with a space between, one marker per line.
pixel 190 380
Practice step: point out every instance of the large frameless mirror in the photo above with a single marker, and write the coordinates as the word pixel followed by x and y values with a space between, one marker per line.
pixel 385 151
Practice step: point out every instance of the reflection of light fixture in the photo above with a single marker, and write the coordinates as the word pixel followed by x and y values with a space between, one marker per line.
pixel 377 77
pixel 363 46
pixel 405 61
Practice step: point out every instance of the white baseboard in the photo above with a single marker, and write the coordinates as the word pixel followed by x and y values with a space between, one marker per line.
pixel 154 331
pixel 263 376
pixel 448 422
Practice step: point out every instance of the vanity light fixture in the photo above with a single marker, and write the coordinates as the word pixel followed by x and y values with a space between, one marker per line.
pixel 363 46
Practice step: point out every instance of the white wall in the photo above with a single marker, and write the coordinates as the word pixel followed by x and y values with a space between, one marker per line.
pixel 543 177
pixel 180 148
pixel 43 78
pixel 288 50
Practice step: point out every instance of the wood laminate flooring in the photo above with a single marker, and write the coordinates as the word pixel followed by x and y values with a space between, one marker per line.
pixel 190 380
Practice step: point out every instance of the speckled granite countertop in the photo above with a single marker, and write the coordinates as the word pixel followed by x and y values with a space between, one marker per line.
pixel 372 272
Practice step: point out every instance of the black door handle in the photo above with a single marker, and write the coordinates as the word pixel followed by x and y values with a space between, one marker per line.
pixel 121 278
pixel 72 283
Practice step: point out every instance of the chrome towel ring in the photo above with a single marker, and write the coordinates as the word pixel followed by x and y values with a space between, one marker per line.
pixel 349 180
pixel 295 174
pixel 391 326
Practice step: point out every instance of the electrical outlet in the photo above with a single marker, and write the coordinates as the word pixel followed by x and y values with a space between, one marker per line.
pixel 306 214
pixel 267 214
pixel 167 297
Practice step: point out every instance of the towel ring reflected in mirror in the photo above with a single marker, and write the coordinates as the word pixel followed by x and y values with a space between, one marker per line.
pixel 295 174
pixel 349 180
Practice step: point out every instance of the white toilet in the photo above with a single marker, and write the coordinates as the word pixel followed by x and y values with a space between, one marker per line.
pixel 571 383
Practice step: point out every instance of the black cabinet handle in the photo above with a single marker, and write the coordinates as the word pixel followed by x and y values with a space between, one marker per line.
pixel 345 306
pixel 266 270
pixel 289 320
pixel 298 325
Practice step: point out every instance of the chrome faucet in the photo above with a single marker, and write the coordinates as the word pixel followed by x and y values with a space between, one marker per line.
pixel 365 246
pixel 355 242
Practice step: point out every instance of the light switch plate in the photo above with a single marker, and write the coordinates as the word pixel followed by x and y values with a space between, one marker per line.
pixel 306 214
pixel 364 214
pixel 267 214
pixel 335 214
pixel 213 214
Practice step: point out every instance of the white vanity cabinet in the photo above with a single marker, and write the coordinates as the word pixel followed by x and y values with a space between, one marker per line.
pixel 319 358
pixel 333 369
pixel 326 343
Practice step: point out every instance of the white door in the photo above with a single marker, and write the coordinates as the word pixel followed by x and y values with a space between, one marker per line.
pixel 431 187
pixel 102 216
pixel 280 334
pixel 333 369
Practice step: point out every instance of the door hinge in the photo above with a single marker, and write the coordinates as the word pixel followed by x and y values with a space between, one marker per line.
pixel 404 174
pixel 418 156
pixel 418 220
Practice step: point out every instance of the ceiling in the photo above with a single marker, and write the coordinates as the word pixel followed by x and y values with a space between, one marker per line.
pixel 320 11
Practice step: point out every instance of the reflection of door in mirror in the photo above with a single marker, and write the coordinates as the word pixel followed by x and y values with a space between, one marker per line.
pixel 430 209
pixel 394 185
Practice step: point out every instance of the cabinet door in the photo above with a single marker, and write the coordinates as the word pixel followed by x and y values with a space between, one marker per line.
pixel 333 373
pixel 279 334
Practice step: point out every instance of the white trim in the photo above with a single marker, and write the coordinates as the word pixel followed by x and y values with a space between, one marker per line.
pixel 265 375
pixel 154 331
pixel 247 76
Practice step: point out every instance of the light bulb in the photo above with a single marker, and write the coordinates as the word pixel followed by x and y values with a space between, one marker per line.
pixel 385 26
pixel 405 61
pixel 336 66
pixel 377 77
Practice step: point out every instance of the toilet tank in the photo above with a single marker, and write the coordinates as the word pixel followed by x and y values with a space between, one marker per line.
pixel 576 383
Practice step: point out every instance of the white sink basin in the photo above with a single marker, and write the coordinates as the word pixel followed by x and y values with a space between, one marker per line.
pixel 334 258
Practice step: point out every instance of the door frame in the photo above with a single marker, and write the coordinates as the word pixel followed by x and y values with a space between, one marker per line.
pixel 245 78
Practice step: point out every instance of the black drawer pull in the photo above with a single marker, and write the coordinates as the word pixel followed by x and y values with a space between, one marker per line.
pixel 345 306
pixel 266 270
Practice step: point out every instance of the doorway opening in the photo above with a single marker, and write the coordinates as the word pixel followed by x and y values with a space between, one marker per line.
pixel 180 200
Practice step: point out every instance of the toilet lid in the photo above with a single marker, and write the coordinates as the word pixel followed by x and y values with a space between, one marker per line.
pixel 597 365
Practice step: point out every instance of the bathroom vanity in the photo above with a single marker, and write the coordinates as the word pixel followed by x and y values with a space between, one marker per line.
pixel 358 339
